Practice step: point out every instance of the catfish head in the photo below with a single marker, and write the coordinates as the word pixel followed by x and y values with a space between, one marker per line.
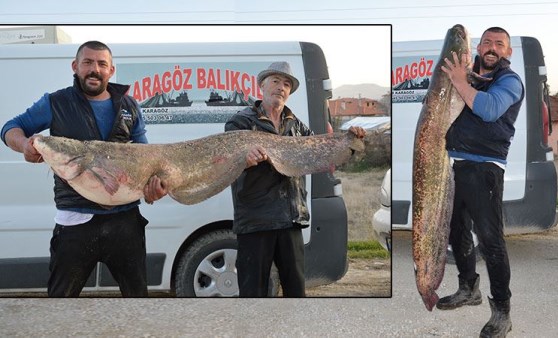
pixel 355 144
pixel 457 40
pixel 68 158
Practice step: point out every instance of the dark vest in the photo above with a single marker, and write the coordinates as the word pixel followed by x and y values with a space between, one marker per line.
pixel 470 134
pixel 73 117
pixel 264 199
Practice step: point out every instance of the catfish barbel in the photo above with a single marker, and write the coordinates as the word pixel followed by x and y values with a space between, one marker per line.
pixel 110 173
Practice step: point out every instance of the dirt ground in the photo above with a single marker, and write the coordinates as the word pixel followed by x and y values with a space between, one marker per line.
pixel 365 277
pixel 361 193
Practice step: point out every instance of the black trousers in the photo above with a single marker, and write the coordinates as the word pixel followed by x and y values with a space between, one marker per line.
pixel 478 198
pixel 257 252
pixel 118 240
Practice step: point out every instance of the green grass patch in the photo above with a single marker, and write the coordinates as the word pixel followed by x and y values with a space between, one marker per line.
pixel 366 249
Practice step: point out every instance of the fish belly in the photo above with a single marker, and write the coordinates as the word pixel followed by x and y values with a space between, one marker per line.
pixel 89 186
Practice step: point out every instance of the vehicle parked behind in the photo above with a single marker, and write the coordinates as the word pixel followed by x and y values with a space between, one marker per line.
pixel 191 250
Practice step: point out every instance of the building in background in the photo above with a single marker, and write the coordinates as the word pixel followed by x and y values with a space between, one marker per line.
pixel 344 109
pixel 34 34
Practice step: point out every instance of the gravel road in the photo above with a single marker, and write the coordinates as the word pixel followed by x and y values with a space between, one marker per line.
pixel 534 261
pixel 534 268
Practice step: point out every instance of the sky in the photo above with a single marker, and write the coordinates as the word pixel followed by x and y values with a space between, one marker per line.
pixel 350 59
pixel 410 20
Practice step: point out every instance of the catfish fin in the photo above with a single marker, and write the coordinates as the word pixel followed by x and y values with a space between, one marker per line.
pixel 307 161
pixel 285 167
pixel 224 171
pixel 109 182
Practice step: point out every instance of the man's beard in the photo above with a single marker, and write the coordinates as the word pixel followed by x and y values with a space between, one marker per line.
pixel 486 66
pixel 89 90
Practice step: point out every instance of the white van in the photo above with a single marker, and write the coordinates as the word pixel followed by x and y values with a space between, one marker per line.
pixel 187 91
pixel 530 176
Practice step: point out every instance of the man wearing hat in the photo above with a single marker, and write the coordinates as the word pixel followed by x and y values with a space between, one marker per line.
pixel 269 208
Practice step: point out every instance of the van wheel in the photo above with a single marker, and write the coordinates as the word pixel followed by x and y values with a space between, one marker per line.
pixel 208 268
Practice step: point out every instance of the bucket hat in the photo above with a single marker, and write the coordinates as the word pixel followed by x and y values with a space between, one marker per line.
pixel 281 68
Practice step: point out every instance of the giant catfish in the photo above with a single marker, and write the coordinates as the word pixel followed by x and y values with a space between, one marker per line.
pixel 433 185
pixel 111 173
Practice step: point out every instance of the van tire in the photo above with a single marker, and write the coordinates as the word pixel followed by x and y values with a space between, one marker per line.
pixel 214 252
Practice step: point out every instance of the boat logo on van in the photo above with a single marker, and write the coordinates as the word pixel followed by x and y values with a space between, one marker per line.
pixel 410 78
pixel 198 92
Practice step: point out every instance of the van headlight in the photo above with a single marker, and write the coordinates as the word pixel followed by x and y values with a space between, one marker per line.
pixel 385 198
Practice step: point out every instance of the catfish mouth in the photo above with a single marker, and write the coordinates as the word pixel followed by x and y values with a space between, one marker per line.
pixel 67 167
pixel 461 38
pixel 460 29
pixel 75 158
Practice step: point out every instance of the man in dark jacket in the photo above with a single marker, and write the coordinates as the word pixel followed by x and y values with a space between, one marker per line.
pixel 85 232
pixel 478 142
pixel 270 209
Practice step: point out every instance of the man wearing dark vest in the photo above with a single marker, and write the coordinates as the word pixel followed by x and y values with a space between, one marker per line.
pixel 478 142
pixel 85 232
pixel 270 209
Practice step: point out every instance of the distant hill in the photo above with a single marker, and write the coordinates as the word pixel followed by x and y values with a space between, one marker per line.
pixel 368 90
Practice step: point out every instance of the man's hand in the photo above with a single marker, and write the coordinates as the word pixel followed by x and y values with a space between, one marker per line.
pixel 255 155
pixel 30 153
pixel 154 190
pixel 458 71
pixel 17 141
pixel 358 131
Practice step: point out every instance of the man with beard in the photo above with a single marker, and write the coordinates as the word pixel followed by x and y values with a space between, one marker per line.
pixel 85 232
pixel 478 142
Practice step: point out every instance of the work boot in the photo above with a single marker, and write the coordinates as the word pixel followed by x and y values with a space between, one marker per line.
pixel 500 322
pixel 467 294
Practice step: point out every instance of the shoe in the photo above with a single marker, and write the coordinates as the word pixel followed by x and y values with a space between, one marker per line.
pixel 467 294
pixel 500 322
